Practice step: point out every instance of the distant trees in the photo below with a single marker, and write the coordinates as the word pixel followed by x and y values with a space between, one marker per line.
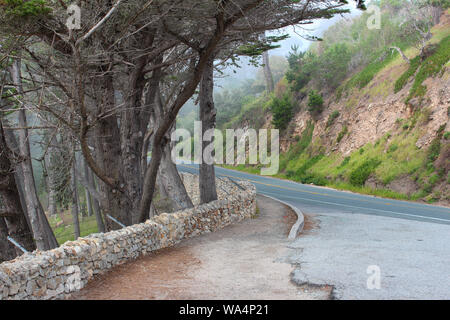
pixel 116 85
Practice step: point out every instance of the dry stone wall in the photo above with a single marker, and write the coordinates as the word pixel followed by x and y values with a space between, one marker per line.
pixel 56 273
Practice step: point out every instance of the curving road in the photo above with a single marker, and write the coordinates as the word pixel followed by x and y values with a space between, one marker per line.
pixel 313 199
pixel 359 238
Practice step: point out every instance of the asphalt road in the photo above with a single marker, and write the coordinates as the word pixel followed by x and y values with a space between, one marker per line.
pixel 313 199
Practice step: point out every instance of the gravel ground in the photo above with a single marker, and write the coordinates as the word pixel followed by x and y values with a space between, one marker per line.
pixel 248 260
pixel 413 257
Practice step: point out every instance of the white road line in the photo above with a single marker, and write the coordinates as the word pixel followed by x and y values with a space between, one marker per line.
pixel 350 206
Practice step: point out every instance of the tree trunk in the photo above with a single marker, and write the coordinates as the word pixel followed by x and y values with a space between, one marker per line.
pixel 75 208
pixel 52 205
pixel 109 159
pixel 95 205
pixel 402 54
pixel 207 177
pixel 12 216
pixel 7 251
pixel 11 142
pixel 42 233
pixel 171 182
pixel 267 70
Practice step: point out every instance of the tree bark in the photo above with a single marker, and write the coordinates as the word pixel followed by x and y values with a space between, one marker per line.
pixel 169 180
pixel 52 205
pixel 75 208
pixel 11 142
pixel 160 135
pixel 43 235
pixel 267 70
pixel 401 54
pixel 207 176
pixel 12 216
pixel 95 205
pixel 7 251
pixel 109 158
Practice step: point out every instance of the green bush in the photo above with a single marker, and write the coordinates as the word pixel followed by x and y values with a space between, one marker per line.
pixel 315 102
pixel 282 112
pixel 344 162
pixel 341 134
pixel 333 116
pixel 447 135
pixel 430 67
pixel 24 9
pixel 362 78
pixel 392 148
pixel 359 175
pixel 400 83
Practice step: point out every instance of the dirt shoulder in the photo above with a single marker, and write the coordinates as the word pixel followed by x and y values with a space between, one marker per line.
pixel 248 260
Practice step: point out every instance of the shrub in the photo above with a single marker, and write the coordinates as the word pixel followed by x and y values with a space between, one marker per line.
pixel 333 116
pixel 341 134
pixel 344 162
pixel 400 83
pixel 315 102
pixel 359 175
pixel 392 148
pixel 430 67
pixel 282 112
pixel 447 135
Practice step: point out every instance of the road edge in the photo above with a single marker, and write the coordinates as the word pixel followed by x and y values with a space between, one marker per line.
pixel 297 228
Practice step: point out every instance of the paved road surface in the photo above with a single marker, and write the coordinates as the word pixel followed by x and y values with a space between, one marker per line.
pixel 246 260
pixel 407 243
pixel 317 199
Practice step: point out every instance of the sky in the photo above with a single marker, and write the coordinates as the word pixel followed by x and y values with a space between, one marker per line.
pixel 316 29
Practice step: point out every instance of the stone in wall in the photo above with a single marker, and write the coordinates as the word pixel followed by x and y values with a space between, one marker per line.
pixel 56 273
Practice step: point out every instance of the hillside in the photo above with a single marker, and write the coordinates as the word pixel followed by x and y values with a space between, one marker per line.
pixel 383 129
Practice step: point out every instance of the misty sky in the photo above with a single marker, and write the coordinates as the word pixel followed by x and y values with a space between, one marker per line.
pixel 316 29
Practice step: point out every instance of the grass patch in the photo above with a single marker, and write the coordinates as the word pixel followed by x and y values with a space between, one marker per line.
pixel 362 78
pixel 341 134
pixel 400 83
pixel 359 175
pixel 65 232
pixel 333 116
pixel 430 67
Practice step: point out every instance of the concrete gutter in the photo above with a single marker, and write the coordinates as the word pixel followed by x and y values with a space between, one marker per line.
pixel 297 228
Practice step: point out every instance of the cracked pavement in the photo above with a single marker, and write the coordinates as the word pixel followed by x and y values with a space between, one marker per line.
pixel 413 257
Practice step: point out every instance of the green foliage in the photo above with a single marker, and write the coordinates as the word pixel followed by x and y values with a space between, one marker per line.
pixel 362 78
pixel 341 134
pixel 255 49
pixel 400 83
pixel 333 65
pixel 359 175
pixel 344 162
pixel 297 149
pixel 333 116
pixel 282 112
pixel 24 9
pixel 328 69
pixel 315 102
pixel 434 150
pixel 392 148
pixel 447 135
pixel 430 67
